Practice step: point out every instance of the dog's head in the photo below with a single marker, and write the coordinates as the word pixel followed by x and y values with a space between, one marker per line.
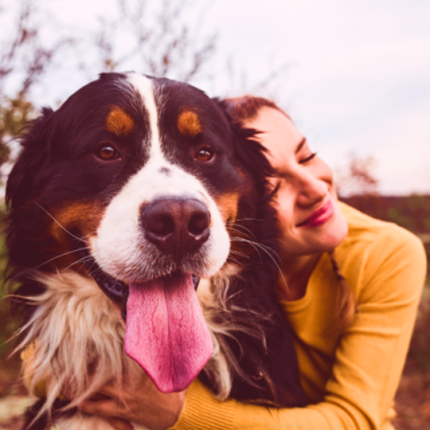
pixel 138 182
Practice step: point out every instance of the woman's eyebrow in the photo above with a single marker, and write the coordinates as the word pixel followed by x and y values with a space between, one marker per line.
pixel 300 145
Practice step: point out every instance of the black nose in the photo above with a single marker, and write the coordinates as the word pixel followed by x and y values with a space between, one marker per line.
pixel 176 226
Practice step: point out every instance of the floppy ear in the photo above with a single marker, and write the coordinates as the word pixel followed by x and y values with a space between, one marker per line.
pixel 250 152
pixel 27 172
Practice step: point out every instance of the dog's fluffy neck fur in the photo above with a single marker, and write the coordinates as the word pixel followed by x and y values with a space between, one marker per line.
pixel 78 335
pixel 78 338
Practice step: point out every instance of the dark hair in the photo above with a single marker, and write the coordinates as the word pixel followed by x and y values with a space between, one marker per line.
pixel 246 108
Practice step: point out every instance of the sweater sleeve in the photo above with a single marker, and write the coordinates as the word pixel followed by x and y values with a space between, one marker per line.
pixel 368 361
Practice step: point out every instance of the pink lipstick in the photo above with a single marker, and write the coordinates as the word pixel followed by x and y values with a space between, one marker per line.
pixel 320 216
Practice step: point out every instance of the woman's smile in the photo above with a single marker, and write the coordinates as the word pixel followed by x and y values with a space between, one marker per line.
pixel 320 216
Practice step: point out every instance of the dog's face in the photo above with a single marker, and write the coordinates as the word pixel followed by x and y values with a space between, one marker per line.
pixel 149 177
pixel 144 171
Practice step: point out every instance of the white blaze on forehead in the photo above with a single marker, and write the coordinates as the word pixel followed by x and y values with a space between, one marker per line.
pixel 145 88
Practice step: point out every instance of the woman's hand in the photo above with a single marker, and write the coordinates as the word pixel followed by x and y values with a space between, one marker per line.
pixel 137 401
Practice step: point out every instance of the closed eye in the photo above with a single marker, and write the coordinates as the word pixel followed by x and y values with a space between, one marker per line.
pixel 308 158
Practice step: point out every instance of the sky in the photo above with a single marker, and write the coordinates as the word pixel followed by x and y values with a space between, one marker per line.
pixel 358 81
pixel 357 77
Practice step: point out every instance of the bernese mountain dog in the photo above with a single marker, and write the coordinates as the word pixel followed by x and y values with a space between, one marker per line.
pixel 141 233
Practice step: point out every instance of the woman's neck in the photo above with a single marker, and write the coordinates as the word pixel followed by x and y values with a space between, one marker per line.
pixel 296 272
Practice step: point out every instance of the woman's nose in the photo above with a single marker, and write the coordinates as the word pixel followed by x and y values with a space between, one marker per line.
pixel 310 189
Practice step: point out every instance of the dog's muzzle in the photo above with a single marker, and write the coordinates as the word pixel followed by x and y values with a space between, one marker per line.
pixel 176 226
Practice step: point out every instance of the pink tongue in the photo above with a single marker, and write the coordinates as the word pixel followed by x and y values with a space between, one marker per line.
pixel 166 333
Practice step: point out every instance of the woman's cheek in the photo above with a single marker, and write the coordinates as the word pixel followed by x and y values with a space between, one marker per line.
pixel 284 208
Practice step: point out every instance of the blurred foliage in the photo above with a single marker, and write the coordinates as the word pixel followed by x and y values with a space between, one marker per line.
pixel 411 212
pixel 14 114
pixel 9 321
pixel 24 58
pixel 357 177
pixel 156 37
pixel 5 312
pixel 420 344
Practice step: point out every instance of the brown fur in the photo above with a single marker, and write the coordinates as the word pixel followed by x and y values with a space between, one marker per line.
pixel 228 206
pixel 119 122
pixel 69 217
pixel 189 124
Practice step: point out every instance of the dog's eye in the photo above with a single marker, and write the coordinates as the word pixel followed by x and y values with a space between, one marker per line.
pixel 204 154
pixel 107 153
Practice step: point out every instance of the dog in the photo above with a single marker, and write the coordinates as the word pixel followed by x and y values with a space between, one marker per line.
pixel 141 232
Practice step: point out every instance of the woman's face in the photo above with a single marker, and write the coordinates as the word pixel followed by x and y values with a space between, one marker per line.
pixel 310 219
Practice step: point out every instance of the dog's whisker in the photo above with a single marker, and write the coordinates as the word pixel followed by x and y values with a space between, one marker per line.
pixel 59 224
pixel 59 256
pixel 232 229
pixel 81 260
pixel 240 254
pixel 229 277
pixel 266 250
pixel 249 219
pixel 265 247
pixel 234 260
pixel 250 242
pixel 237 225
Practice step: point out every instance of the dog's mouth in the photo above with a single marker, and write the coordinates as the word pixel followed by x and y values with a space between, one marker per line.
pixel 166 333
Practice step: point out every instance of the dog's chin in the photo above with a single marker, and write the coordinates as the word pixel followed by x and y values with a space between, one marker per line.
pixel 166 278
pixel 167 270
pixel 141 269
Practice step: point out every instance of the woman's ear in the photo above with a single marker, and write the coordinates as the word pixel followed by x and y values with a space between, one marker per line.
pixel 28 169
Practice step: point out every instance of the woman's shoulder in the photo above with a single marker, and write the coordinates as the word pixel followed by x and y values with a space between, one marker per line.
pixel 379 250
pixel 370 232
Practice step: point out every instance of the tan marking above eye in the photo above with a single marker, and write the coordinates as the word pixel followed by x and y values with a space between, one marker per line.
pixel 189 124
pixel 119 122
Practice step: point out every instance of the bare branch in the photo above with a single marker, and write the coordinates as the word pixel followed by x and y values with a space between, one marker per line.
pixel 357 177
pixel 155 38
pixel 25 59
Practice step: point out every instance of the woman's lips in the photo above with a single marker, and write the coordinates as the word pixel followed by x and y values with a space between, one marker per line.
pixel 320 216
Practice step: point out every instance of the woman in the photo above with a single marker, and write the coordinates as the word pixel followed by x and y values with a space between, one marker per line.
pixel 350 375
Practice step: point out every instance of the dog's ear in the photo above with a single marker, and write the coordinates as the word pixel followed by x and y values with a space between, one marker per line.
pixel 28 170
pixel 250 152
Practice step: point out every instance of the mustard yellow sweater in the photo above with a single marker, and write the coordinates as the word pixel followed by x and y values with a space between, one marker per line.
pixel 350 382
